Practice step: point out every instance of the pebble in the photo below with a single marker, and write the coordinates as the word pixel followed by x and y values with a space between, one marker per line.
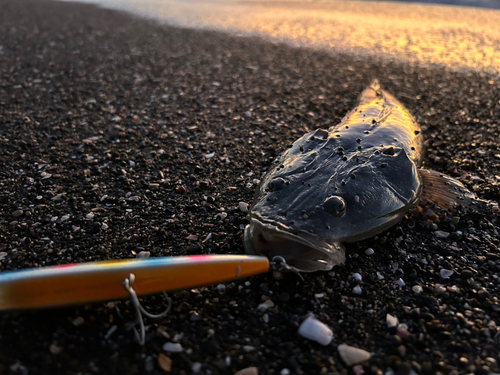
pixel 351 355
pixel 65 218
pixel 369 251
pixel 445 274
pixel 356 276
pixel 78 321
pixel 89 216
pixel 417 289
pixel 173 347
pixel 441 234
pixel 439 289
pixel 248 348
pixel 265 305
pixel 391 321
pixel 196 367
pixel 143 254
pixel 17 213
pixel 243 207
pixel 357 290
pixel 165 362
pixel 400 283
pixel 312 329
pixel 248 371
pixel 54 349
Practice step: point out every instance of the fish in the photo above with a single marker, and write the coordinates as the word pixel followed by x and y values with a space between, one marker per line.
pixel 345 184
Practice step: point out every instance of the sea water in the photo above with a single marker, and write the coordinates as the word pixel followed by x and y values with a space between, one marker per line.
pixel 456 36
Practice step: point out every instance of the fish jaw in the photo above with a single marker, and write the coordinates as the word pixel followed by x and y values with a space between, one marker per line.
pixel 305 254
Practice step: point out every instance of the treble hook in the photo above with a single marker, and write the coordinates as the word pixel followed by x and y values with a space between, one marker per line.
pixel 279 264
pixel 139 310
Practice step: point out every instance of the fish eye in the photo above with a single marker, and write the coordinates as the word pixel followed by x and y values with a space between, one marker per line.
pixel 335 205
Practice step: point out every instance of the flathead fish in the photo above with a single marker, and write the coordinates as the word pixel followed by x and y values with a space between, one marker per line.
pixel 346 184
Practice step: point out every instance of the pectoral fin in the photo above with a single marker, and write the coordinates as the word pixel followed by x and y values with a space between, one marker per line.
pixel 451 195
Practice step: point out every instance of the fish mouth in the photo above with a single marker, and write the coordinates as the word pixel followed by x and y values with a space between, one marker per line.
pixel 299 250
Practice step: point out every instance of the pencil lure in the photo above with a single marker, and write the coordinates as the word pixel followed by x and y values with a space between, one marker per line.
pixel 100 281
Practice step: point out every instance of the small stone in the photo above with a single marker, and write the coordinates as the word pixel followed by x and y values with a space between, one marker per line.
pixel 445 274
pixel 243 207
pixel 221 288
pixel 165 362
pixel 17 213
pixel 439 289
pixel 391 321
pixel 89 216
pixel 417 289
pixel 358 370
pixel 65 218
pixel 195 317
pixel 369 251
pixel 248 348
pixel 351 355
pixel 357 277
pixel 143 254
pixel 78 321
pixel 192 237
pixel 312 329
pixel 54 349
pixel 196 367
pixel 441 234
pixel 173 347
pixel 400 283
pixel 248 371
pixel 357 290
pixel 265 305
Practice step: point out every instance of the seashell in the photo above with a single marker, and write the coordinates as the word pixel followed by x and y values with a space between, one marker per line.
pixel 445 274
pixel 391 321
pixel 417 289
pixel 313 329
pixel 173 347
pixel 357 277
pixel 351 355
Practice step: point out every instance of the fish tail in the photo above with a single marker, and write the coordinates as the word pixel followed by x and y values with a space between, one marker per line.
pixel 451 195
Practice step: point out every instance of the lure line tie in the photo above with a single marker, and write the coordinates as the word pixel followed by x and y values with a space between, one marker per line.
pixel 279 264
pixel 139 310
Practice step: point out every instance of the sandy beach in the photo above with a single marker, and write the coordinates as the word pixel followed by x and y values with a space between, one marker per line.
pixel 119 135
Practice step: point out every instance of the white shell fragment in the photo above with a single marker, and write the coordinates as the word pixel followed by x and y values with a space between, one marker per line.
pixel 445 273
pixel 441 234
pixel 417 289
pixel 173 347
pixel 400 283
pixel 313 329
pixel 351 355
pixel 356 276
pixel 243 207
pixel 391 321
pixel 265 305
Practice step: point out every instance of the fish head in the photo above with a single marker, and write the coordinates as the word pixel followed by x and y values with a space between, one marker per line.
pixel 325 191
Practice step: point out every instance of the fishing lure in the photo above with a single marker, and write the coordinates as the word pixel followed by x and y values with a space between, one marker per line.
pixel 102 281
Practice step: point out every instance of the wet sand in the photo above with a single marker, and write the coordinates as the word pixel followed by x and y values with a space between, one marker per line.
pixel 109 121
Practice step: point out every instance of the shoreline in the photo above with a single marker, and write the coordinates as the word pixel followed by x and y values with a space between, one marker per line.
pixel 108 119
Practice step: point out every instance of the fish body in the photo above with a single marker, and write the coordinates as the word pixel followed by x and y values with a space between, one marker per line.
pixel 344 184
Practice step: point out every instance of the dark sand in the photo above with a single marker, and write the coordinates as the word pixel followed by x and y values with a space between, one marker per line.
pixel 89 92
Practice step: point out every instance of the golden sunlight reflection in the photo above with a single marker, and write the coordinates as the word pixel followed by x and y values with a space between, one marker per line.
pixel 455 36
